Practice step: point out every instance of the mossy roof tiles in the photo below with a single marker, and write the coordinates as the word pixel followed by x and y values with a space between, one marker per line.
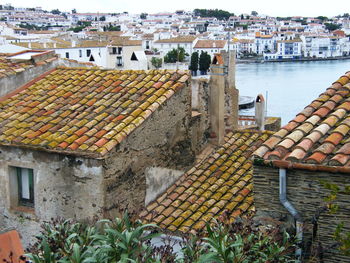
pixel 219 186
pixel 84 111
pixel 319 134
pixel 7 67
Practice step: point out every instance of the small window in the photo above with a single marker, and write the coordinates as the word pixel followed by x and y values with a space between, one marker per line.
pixel 80 53
pixel 67 54
pixel 114 50
pixel 22 186
pixel 88 52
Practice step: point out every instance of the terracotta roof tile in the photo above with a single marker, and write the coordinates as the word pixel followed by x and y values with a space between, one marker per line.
pixel 220 184
pixel 322 137
pixel 87 114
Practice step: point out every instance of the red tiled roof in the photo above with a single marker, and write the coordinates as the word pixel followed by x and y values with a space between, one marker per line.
pixel 84 111
pixel 220 185
pixel 319 135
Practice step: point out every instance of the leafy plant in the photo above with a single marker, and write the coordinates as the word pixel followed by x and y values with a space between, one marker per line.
pixel 125 240
pixel 175 55
pixel 156 62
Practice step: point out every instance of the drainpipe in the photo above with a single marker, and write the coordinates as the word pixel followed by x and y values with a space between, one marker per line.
pixel 296 215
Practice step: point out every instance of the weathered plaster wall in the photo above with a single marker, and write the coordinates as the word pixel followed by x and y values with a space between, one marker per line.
pixel 307 195
pixel 163 140
pixel 158 179
pixel 64 187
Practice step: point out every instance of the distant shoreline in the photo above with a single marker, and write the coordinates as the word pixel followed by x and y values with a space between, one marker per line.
pixel 247 61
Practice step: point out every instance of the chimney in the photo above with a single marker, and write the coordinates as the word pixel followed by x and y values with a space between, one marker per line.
pixel 217 103
pixel 44 45
pixel 29 45
pixel 260 112
pixel 231 93
pixel 73 43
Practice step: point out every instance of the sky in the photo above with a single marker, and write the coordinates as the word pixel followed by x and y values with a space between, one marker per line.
pixel 310 8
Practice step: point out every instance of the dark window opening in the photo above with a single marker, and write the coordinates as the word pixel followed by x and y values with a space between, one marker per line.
pixel 25 181
pixel 88 52
pixel 92 58
pixel 67 54
pixel 133 57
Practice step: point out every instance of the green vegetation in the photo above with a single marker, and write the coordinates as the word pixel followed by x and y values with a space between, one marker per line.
pixel 322 18
pixel 80 27
pixel 55 12
pixel 331 26
pixel 143 15
pixel 32 26
pixel 125 240
pixel 175 55
pixel 341 236
pixel 156 62
pixel 204 62
pixel 218 13
pixel 110 27
pixel 194 63
pixel 102 18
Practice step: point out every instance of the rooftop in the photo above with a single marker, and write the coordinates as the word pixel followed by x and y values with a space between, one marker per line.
pixel 319 135
pixel 84 111
pixel 220 185
pixel 210 44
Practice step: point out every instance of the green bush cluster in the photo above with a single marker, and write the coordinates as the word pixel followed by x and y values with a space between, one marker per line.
pixel 124 240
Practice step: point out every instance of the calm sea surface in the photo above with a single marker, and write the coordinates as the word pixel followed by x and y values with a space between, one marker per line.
pixel 289 86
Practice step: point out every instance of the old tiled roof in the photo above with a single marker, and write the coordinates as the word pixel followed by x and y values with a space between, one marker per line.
pixel 319 135
pixel 84 111
pixel 210 44
pixel 180 39
pixel 8 67
pixel 220 185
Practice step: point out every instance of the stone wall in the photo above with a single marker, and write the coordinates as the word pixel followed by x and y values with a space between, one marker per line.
pixel 306 193
pixel 63 187
pixel 200 103
pixel 163 140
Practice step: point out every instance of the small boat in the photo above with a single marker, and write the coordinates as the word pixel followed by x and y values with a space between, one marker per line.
pixel 245 102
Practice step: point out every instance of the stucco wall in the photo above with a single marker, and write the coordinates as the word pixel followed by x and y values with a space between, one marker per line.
pixel 306 193
pixel 63 187
pixel 163 140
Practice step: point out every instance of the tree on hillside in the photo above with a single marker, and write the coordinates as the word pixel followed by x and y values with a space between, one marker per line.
pixel 322 18
pixel 331 26
pixel 254 13
pixel 175 55
pixel 55 12
pixel 74 11
pixel 143 15
pixel 218 13
pixel 204 62
pixel 194 63
pixel 102 18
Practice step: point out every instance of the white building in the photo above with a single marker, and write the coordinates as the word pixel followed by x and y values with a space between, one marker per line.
pixel 211 46
pixel 286 50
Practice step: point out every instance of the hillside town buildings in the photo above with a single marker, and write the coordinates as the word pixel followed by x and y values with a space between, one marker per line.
pixel 258 37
